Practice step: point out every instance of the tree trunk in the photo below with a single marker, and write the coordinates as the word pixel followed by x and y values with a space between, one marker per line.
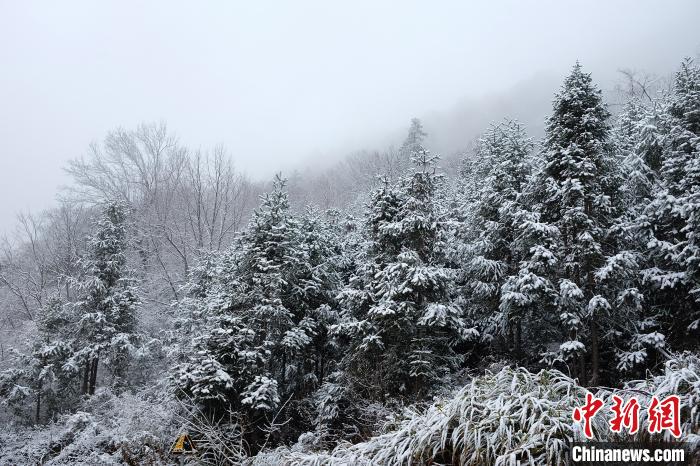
pixel 38 405
pixel 284 367
pixel 93 375
pixel 595 357
pixel 510 338
pixel 320 376
pixel 86 378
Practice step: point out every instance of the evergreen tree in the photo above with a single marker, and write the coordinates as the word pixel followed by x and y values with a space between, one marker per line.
pixel 41 374
pixel 414 139
pixel 266 307
pixel 320 239
pixel 506 150
pixel 639 136
pixel 575 193
pixel 671 220
pixel 528 298
pixel 108 299
pixel 240 302
pixel 398 310
pixel 52 382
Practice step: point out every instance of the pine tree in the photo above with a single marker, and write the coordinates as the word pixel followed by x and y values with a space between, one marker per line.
pixel 399 314
pixel 528 297
pixel 108 300
pixel 320 238
pixel 639 137
pixel 243 313
pixel 265 308
pixel 576 193
pixel 48 358
pixel 506 150
pixel 414 139
pixel 41 374
pixel 672 219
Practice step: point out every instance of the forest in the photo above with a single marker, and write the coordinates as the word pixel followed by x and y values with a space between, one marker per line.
pixel 395 308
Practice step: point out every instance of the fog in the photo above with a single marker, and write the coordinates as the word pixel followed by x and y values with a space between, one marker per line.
pixel 287 84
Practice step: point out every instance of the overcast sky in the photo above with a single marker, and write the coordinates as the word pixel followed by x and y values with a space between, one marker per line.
pixel 280 82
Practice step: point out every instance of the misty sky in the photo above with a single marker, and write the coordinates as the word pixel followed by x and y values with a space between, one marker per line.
pixel 282 83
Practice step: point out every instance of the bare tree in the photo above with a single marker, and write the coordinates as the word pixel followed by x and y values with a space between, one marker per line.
pixel 183 202
pixel 218 201
pixel 36 260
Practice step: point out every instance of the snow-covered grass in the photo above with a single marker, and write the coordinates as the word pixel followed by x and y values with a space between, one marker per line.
pixel 507 417
pixel 499 418
pixel 681 377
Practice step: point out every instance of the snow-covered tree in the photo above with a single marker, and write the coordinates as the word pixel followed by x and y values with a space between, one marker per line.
pixel 528 297
pixel 105 312
pixel 414 139
pixel 505 149
pixel 398 310
pixel 576 194
pixel 639 136
pixel 263 310
pixel 671 221
pixel 238 299
pixel 40 376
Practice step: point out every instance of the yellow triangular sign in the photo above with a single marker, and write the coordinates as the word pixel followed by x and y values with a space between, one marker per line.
pixel 183 445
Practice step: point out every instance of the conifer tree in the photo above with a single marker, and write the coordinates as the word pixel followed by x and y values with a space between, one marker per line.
pixel 399 311
pixel 506 150
pixel 672 219
pixel 639 137
pixel 108 299
pixel 265 308
pixel 414 139
pixel 576 194
pixel 242 304
pixel 41 375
